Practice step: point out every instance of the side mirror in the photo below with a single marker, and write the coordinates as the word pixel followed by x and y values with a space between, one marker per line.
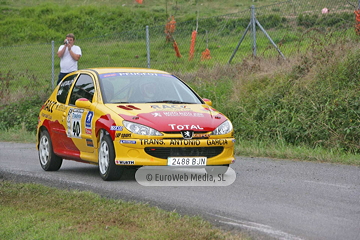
pixel 83 103
pixel 207 101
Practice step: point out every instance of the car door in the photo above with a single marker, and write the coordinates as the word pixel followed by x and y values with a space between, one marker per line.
pixel 57 126
pixel 79 121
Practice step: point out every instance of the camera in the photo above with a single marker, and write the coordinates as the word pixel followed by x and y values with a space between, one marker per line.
pixel 66 41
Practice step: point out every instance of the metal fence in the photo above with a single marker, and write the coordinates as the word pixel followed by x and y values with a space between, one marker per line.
pixel 279 29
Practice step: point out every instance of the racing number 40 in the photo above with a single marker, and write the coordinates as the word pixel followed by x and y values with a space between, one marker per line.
pixel 76 128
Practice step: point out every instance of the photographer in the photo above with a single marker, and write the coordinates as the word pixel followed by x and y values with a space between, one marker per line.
pixel 69 55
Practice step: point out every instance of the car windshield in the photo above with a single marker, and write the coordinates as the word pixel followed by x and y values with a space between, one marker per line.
pixel 145 88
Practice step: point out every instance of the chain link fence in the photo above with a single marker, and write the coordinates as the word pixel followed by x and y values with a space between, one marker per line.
pixel 280 29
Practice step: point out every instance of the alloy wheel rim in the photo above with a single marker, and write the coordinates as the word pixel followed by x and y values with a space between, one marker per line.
pixel 44 150
pixel 103 157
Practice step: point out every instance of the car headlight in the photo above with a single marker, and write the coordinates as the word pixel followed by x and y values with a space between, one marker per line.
pixel 141 129
pixel 224 128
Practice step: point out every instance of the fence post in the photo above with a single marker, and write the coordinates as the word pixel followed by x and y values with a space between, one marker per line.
pixel 252 24
pixel 148 46
pixel 253 28
pixel 52 64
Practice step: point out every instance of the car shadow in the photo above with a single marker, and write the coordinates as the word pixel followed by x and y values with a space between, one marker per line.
pixel 88 170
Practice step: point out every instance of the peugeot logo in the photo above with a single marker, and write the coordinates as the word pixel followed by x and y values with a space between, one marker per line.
pixel 187 134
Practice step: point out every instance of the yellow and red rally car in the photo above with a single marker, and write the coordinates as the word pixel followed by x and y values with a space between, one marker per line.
pixel 117 117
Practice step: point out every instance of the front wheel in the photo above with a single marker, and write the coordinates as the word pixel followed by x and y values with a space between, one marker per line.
pixel 107 167
pixel 49 161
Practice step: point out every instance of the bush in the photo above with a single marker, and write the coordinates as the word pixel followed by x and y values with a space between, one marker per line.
pixel 314 103
pixel 22 95
pixel 24 113
pixel 333 20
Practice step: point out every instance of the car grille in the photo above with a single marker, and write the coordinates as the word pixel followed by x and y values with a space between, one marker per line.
pixel 165 152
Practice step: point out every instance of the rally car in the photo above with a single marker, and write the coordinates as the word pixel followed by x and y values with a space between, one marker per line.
pixel 119 117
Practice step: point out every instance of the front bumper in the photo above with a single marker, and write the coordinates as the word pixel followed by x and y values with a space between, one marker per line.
pixel 155 152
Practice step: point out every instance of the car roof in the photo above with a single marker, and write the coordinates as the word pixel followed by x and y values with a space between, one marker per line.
pixel 129 69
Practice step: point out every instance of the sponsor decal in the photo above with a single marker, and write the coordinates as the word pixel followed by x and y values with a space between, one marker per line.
pixel 152 142
pixel 187 134
pixel 127 74
pixel 156 114
pixel 170 107
pixel 184 142
pixel 49 105
pixel 125 162
pixel 47 116
pixel 216 142
pixel 116 128
pixel 201 135
pixel 88 120
pixel 125 135
pixel 185 127
pixel 73 121
pixel 66 83
pixel 61 107
pixel 183 114
pixel 137 74
pixel 128 141
pixel 89 143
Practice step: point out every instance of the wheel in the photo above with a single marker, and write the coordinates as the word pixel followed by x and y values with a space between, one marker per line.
pixel 49 161
pixel 214 170
pixel 107 167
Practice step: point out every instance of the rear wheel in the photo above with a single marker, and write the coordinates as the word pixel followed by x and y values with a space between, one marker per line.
pixel 107 167
pixel 49 161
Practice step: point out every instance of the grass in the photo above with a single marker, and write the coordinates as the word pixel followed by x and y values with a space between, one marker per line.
pixel 180 7
pixel 282 150
pixel 33 211
pixel 18 135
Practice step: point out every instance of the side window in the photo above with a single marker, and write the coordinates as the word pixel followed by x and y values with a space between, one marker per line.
pixel 84 88
pixel 64 88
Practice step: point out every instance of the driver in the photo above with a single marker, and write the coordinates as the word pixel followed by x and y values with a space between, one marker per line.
pixel 149 91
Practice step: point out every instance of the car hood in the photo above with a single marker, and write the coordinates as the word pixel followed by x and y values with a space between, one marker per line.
pixel 171 117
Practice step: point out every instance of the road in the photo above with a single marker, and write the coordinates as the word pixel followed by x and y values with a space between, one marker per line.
pixel 270 199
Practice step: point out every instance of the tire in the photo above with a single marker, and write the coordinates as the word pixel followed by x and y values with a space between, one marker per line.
pixel 49 161
pixel 107 167
pixel 214 170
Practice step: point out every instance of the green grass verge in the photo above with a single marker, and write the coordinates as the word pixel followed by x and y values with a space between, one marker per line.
pixel 282 150
pixel 33 211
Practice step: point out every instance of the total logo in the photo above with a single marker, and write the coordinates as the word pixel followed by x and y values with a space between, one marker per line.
pixel 185 127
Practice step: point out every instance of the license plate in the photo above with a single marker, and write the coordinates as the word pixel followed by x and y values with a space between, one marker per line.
pixel 187 161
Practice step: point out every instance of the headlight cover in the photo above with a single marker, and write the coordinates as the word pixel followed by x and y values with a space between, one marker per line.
pixel 223 128
pixel 141 129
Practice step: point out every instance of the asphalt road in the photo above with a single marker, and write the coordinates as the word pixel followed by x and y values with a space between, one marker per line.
pixel 270 199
